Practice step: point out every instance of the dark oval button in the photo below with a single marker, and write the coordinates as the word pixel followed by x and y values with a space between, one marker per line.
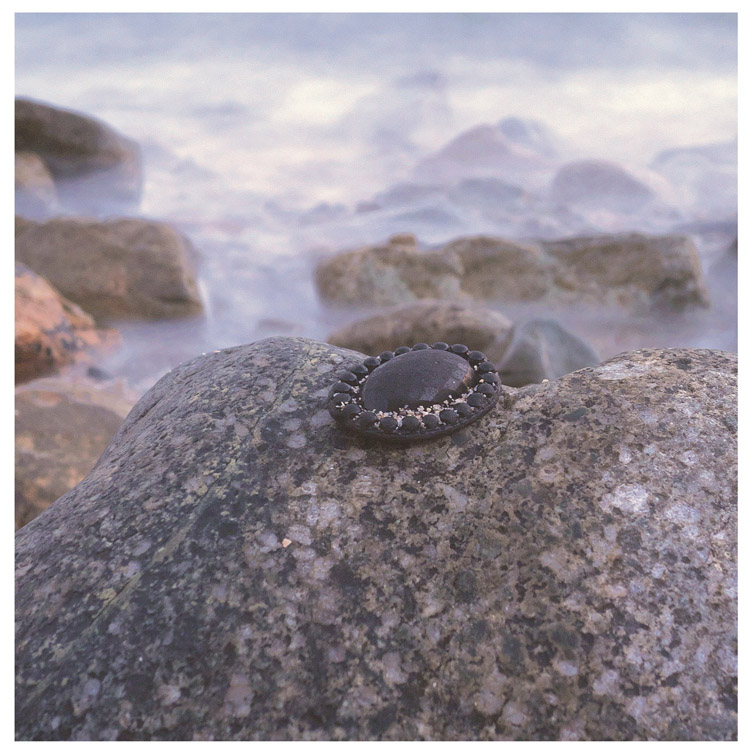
pixel 417 378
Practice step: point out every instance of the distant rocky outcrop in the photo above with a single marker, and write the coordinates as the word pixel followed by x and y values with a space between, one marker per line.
pixel 529 133
pixel 117 268
pixel 405 194
pixel 387 274
pixel 600 184
pixel 503 150
pixel 236 567
pixel 704 176
pixel 489 195
pixel 635 271
pixel 94 167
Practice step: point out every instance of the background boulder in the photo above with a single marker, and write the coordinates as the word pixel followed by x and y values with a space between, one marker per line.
pixel 114 269
pixel 634 271
pixel 50 331
pixel 93 165
pixel 36 195
pixel 62 425
pixel 537 350
pixel 387 274
pixel 501 270
pixel 426 321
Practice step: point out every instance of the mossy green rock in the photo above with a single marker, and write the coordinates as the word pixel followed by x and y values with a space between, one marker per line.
pixel 235 567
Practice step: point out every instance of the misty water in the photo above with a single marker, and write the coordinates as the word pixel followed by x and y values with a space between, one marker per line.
pixel 275 140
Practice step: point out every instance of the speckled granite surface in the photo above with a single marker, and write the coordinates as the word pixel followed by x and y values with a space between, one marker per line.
pixel 235 567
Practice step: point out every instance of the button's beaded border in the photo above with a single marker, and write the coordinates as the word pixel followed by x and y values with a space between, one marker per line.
pixel 422 423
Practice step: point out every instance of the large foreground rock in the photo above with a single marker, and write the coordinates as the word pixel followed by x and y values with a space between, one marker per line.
pixel 94 165
pixel 50 331
pixel 114 269
pixel 62 426
pixel 636 271
pixel 236 568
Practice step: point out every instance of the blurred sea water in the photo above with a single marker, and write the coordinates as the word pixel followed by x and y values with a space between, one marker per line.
pixel 273 140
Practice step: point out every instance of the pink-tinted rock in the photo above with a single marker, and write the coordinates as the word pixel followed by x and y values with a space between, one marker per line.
pixel 50 331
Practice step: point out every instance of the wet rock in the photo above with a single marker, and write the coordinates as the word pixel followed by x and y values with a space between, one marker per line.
pixel 50 331
pixel 362 208
pixel 62 426
pixel 495 268
pixel 114 269
pixel 636 271
pixel 387 274
pixel 484 150
pixel 600 184
pixel 430 217
pixel 23 224
pixel 426 321
pixel 35 188
pixel 94 167
pixel 725 268
pixel 235 567
pixel 722 281
pixel 536 350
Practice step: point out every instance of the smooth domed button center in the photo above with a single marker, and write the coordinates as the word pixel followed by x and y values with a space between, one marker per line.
pixel 417 378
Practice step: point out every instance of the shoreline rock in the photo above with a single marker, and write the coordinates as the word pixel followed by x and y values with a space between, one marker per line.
pixel 62 426
pixel 427 320
pixel 93 166
pixel 118 268
pixel 634 271
pixel 237 568
pixel 542 349
pixel 36 195
pixel 387 274
pixel 50 331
